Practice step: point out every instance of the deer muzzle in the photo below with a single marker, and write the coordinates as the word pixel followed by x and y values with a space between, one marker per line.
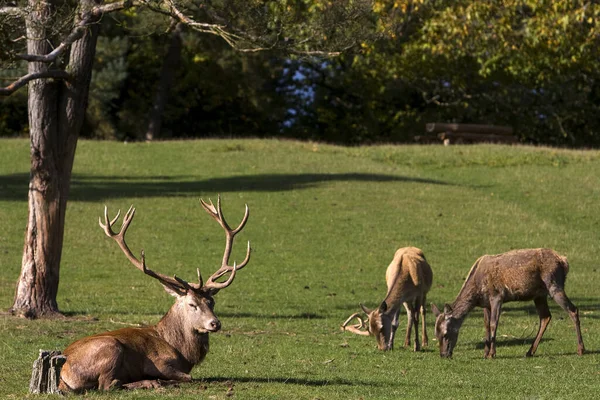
pixel 212 325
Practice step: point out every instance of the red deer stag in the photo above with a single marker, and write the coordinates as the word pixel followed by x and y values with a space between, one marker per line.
pixel 166 352
pixel 517 275
pixel 408 279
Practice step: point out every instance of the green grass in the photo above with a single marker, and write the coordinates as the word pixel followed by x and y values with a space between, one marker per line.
pixel 324 223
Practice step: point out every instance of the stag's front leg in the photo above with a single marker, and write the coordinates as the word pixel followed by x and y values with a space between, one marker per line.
pixel 495 309
pixel 150 384
pixel 169 377
pixel 486 323
pixel 395 324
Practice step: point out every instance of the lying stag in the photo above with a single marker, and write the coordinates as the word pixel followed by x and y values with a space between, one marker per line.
pixel 408 279
pixel 518 275
pixel 166 352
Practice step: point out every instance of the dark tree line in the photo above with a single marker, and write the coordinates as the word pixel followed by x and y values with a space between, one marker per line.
pixel 533 69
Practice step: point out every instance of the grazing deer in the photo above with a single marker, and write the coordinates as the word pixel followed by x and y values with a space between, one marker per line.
pixel 517 275
pixel 166 352
pixel 408 279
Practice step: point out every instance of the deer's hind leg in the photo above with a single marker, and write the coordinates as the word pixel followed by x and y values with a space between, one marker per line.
pixel 541 305
pixel 409 323
pixel 93 363
pixel 423 310
pixel 559 295
pixel 415 315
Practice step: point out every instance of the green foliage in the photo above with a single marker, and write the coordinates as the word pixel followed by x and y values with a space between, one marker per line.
pixel 530 65
pixel 110 73
pixel 324 224
pixel 13 115
pixel 534 63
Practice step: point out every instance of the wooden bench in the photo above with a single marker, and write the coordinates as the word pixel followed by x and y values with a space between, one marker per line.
pixel 466 133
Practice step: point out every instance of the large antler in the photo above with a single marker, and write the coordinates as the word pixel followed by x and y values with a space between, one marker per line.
pixel 211 284
pixel 356 328
pixel 177 284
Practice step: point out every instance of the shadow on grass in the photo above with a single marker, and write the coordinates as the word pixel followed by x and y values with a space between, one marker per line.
pixel 289 381
pixel 93 188
pixel 76 314
pixel 513 342
pixel 268 316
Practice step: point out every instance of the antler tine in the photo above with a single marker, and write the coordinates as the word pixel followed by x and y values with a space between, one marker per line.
pixel 216 286
pixel 244 220
pixel 350 318
pixel 178 285
pixel 107 225
pixel 357 328
pixel 217 214
pixel 223 271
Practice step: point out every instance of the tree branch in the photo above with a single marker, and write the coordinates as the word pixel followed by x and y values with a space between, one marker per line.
pixel 12 11
pixel 22 81
pixel 79 29
pixel 199 26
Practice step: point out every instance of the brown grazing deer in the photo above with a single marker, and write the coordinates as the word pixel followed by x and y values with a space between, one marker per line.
pixel 517 275
pixel 408 279
pixel 166 352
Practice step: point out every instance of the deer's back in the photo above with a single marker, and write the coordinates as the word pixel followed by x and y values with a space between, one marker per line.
pixel 519 274
pixel 408 275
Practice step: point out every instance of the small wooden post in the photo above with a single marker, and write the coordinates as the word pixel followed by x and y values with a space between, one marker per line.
pixel 46 372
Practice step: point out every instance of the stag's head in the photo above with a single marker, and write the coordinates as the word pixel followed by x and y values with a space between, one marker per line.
pixel 446 329
pixel 194 304
pixel 380 325
pixel 194 310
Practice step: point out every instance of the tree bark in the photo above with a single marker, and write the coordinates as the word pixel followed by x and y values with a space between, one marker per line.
pixel 45 375
pixel 56 113
pixel 167 77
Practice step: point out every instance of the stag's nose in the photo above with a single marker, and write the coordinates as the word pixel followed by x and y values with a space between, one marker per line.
pixel 215 325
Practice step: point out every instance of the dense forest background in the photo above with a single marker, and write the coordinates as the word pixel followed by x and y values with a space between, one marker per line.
pixel 531 65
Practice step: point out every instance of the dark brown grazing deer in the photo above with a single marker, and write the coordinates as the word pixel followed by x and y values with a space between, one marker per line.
pixel 160 354
pixel 518 275
pixel 408 279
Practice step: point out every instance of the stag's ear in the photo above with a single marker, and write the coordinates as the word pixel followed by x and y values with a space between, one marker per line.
pixel 365 309
pixel 447 309
pixel 383 307
pixel 175 292
pixel 436 311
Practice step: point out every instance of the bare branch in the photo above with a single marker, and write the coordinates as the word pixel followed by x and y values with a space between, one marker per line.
pixel 22 81
pixel 200 26
pixel 116 6
pixel 13 11
pixel 79 29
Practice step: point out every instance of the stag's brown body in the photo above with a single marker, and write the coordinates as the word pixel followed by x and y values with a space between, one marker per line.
pixel 409 278
pixel 519 275
pixel 166 352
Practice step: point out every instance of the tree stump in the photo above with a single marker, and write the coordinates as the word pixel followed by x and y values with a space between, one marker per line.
pixel 46 372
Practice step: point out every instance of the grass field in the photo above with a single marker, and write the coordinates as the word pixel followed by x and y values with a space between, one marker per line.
pixel 324 223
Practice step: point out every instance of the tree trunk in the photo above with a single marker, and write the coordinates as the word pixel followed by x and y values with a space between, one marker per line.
pixel 56 112
pixel 166 80
pixel 45 375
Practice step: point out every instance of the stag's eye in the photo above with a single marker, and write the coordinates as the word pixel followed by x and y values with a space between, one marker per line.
pixel 194 306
